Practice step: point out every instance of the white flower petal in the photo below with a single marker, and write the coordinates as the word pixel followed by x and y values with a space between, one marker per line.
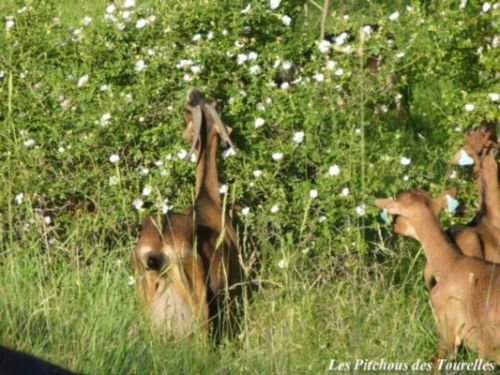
pixel 140 65
pixel 147 190
pixel 282 263
pixel 141 23
pixel 394 16
pixel 319 77
pixel 19 198
pixel 277 156
pixel 286 20
pixel 259 122
pixel 83 80
pixel 298 137
pixel 405 161
pixel 469 107
pixel 114 158
pixel 274 4
pixel 360 210
pixel 138 203
pixel 247 9
pixel 129 4
pixel 223 189
pixel 334 170
pixel 324 46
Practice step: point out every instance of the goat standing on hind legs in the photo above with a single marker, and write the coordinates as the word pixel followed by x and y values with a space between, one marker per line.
pixel 465 299
pixel 481 237
pixel 216 237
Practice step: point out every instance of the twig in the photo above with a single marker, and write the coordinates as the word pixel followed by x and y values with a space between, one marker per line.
pixel 326 5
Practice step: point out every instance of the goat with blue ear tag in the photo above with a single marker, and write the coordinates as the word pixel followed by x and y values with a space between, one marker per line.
pixel 452 204
pixel 464 158
pixel 385 217
pixel 481 236
pixel 404 227
pixel 464 291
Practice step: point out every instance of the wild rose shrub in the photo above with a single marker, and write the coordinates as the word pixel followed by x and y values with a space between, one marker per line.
pixel 92 113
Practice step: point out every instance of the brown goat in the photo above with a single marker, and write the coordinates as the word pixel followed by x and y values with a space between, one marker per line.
pixel 404 227
pixel 481 237
pixel 215 235
pixel 466 297
pixel 188 263
pixel 478 141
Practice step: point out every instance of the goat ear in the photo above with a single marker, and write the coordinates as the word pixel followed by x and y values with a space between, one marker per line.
pixel 223 131
pixel 188 116
pixel 443 200
pixel 456 157
pixel 451 192
pixel 196 116
pixel 463 157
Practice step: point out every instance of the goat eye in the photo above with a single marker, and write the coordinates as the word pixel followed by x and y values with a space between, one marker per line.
pixel 484 128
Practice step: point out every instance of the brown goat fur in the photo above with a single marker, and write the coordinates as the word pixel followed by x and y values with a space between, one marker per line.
pixel 171 275
pixel 188 264
pixel 481 237
pixel 403 226
pixel 216 235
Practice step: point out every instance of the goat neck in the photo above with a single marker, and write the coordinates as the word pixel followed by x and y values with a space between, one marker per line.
pixel 207 179
pixel 416 208
pixel 490 189
pixel 439 251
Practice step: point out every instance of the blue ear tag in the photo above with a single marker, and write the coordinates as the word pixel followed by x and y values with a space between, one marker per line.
pixel 384 216
pixel 465 159
pixel 452 204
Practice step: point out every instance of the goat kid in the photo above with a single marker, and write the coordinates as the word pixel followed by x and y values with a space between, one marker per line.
pixel 466 297
pixel 187 262
pixel 477 143
pixel 481 237
pixel 404 227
